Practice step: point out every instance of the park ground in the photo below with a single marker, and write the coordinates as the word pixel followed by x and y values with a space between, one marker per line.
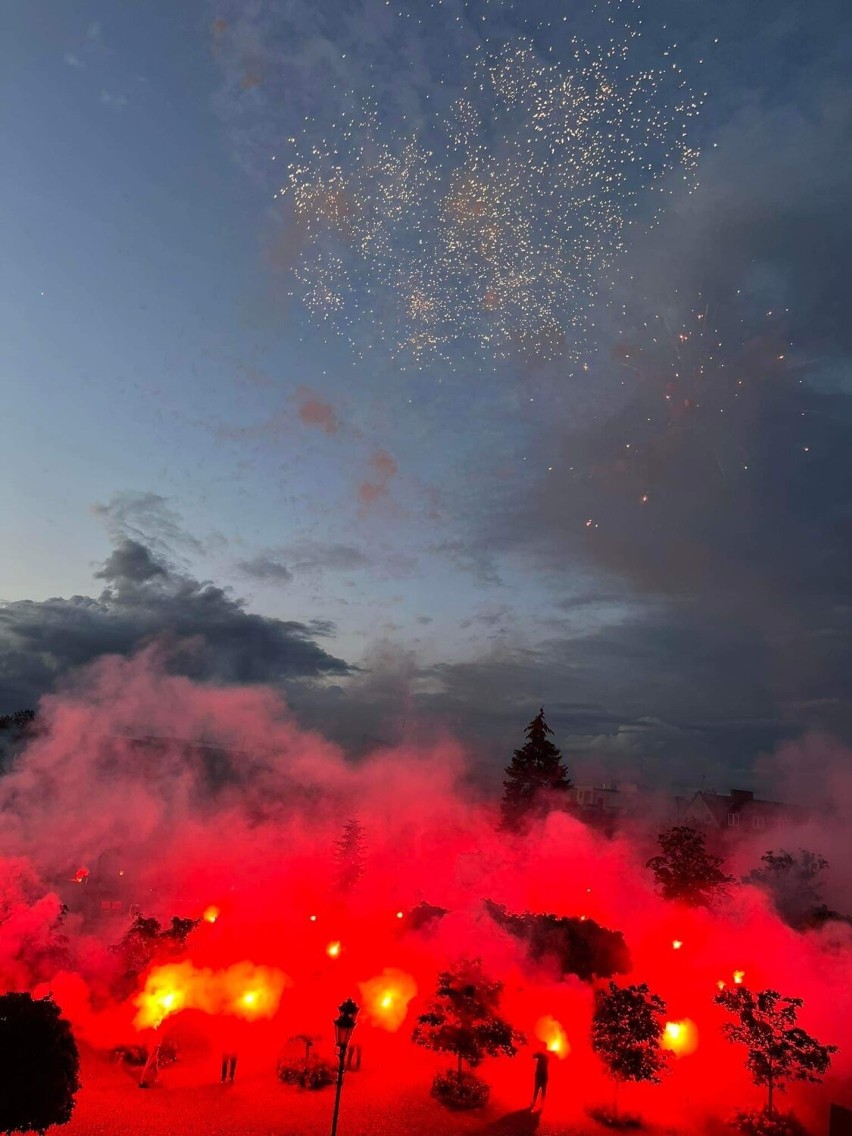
pixel 189 1101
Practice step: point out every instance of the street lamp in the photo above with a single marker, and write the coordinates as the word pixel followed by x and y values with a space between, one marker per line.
pixel 343 1027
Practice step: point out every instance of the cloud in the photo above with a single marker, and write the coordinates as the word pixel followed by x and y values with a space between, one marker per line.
pixel 204 631
pixel 265 568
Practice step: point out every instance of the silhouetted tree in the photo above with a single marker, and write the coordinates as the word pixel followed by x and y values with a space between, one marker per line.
pixel 39 1064
pixel 778 1050
pixel 577 945
pixel 626 1029
pixel 686 871
pixel 534 776
pixel 146 940
pixel 793 882
pixel 463 1018
pixel 349 854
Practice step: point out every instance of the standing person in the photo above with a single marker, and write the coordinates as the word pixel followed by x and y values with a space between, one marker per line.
pixel 152 1068
pixel 229 1065
pixel 542 1062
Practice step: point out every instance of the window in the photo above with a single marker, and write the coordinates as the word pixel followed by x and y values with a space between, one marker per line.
pixel 733 820
pixel 757 822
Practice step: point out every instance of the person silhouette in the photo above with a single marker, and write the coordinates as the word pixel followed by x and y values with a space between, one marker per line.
pixel 542 1063
pixel 229 1066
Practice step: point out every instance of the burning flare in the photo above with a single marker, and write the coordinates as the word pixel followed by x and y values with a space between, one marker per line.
pixel 680 1037
pixel 386 997
pixel 548 1030
pixel 211 914
pixel 243 990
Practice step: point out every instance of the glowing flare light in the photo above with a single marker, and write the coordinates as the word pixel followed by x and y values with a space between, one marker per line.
pixel 243 990
pixel 680 1037
pixel 386 997
pixel 548 1030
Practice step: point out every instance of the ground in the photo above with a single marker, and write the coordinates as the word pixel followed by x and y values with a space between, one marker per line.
pixel 189 1101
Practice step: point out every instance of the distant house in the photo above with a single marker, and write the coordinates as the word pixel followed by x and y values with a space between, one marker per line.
pixel 613 796
pixel 739 812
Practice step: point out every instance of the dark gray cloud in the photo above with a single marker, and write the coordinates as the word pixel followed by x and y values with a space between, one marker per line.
pixel 305 556
pixel 207 631
pixel 266 568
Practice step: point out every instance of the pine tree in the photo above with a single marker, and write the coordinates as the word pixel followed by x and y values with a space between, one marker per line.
pixel 535 771
pixel 349 855
pixel 462 1018
pixel 626 1030
pixel 779 1051
pixel 686 871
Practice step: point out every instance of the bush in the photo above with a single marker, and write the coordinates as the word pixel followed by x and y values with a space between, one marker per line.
pixel 765 1123
pixel 137 1055
pixel 311 1074
pixel 39 1064
pixel 610 1119
pixel 460 1091
pixel 130 1054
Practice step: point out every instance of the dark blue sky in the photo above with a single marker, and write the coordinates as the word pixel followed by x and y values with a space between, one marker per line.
pixel 617 479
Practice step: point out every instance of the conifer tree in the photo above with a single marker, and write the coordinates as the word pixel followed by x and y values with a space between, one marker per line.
pixel 534 773
pixel 350 855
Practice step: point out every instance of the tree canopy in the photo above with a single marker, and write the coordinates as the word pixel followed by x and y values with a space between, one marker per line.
pixel 463 1017
pixel 686 871
pixel 349 854
pixel 39 1064
pixel 576 945
pixel 534 775
pixel 626 1029
pixel 793 882
pixel 778 1050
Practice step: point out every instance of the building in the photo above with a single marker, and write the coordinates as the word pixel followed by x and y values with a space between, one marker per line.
pixel 739 812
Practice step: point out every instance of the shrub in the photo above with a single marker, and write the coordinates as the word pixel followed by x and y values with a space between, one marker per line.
pixel 306 1074
pixel 609 1118
pixel 130 1054
pixel 766 1123
pixel 459 1091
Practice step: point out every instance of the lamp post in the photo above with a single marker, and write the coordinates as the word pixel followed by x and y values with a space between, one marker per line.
pixel 343 1027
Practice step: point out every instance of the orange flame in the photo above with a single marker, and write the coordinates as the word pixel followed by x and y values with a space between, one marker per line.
pixel 680 1037
pixel 549 1030
pixel 677 944
pixel 386 997
pixel 739 975
pixel 333 949
pixel 244 990
pixel 211 914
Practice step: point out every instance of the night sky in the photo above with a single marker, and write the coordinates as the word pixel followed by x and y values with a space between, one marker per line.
pixel 436 361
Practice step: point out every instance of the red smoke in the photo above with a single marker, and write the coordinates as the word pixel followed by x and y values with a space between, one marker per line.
pixel 213 804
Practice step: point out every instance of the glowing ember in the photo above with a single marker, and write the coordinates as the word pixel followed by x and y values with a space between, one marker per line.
pixel 211 914
pixel 548 1030
pixel 313 918
pixel 680 1037
pixel 400 914
pixel 677 944
pixel 333 949
pixel 739 975
pixel 386 997
pixel 721 984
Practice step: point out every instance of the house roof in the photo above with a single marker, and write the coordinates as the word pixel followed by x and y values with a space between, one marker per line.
pixel 714 808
